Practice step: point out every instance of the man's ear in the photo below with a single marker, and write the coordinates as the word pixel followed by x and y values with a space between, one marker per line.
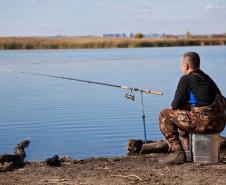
pixel 186 66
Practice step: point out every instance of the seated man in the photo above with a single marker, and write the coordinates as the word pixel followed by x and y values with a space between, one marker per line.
pixel 197 108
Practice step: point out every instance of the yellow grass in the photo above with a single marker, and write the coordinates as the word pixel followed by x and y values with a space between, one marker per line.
pixel 99 42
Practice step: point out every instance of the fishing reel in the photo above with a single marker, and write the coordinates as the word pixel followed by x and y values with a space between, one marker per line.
pixel 130 96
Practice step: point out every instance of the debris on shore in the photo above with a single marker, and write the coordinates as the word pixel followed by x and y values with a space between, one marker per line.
pixel 133 169
pixel 16 160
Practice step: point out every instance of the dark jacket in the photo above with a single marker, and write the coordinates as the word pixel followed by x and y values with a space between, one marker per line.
pixel 195 91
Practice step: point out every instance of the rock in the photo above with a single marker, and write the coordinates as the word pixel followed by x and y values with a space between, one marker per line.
pixel 9 158
pixel 53 161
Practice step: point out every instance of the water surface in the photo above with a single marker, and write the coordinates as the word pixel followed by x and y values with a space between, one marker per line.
pixel 83 120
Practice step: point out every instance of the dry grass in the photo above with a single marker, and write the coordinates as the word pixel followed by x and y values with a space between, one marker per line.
pixel 99 42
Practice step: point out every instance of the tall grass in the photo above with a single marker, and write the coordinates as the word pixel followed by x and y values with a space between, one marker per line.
pixel 99 42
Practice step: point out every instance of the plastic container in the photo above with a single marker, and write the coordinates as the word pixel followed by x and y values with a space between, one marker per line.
pixel 205 147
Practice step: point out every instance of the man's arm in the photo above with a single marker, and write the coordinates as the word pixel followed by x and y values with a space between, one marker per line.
pixel 213 84
pixel 181 97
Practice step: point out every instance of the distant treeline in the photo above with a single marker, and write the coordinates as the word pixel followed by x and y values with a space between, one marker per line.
pixel 100 42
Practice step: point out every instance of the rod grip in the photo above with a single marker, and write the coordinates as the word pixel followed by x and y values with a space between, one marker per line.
pixel 153 92
pixel 124 87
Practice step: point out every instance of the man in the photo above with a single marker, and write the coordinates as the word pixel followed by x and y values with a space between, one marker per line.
pixel 195 109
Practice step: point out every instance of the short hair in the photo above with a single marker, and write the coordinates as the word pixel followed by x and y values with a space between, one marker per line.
pixel 193 59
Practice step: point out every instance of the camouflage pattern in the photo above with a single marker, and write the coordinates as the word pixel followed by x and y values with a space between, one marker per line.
pixel 177 124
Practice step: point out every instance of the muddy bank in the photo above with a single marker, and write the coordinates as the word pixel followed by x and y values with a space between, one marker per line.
pixel 126 170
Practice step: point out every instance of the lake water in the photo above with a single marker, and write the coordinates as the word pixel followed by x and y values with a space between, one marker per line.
pixel 84 120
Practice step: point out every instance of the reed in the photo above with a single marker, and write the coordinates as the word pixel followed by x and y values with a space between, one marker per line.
pixel 11 43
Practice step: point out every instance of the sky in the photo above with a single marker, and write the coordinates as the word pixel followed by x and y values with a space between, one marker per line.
pixel 96 17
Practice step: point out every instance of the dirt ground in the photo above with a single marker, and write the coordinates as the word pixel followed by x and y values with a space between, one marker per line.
pixel 117 170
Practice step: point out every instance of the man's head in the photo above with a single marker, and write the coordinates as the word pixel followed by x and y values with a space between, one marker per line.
pixel 190 62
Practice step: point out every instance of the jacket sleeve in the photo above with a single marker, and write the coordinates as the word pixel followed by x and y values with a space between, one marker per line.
pixel 181 95
pixel 213 84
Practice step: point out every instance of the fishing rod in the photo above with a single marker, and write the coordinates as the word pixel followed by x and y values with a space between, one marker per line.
pixel 129 95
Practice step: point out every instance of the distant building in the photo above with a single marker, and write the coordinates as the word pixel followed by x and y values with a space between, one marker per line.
pixel 108 35
pixel 124 35
pixel 152 35
pixel 131 35
pixel 115 35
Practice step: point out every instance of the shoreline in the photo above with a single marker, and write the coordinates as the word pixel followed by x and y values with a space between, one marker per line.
pixel 135 168
pixel 117 170
pixel 30 43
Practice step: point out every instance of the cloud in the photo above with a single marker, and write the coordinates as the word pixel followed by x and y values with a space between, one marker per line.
pixel 141 10
pixel 100 4
pixel 179 18
pixel 142 7
pixel 210 7
pixel 47 2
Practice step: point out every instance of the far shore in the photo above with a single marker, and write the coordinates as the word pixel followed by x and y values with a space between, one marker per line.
pixel 13 43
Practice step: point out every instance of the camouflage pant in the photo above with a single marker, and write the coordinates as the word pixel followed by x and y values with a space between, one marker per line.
pixel 176 124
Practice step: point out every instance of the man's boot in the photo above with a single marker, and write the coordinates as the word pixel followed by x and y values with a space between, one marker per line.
pixel 176 157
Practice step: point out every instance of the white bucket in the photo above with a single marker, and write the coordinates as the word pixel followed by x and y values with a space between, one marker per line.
pixel 205 147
